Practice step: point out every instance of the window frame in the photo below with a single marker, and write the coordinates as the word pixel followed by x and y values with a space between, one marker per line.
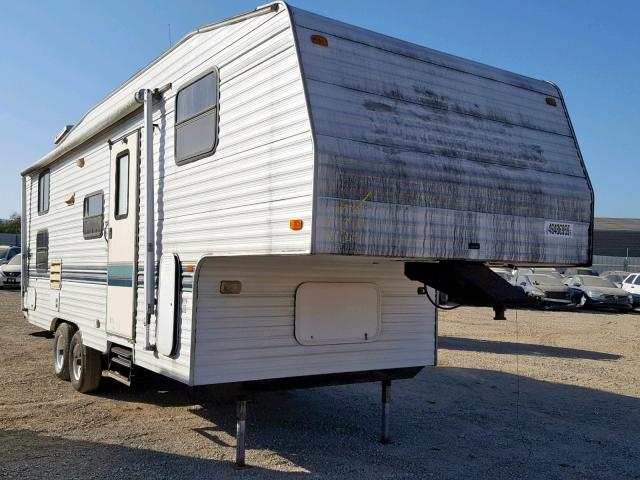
pixel 199 156
pixel 41 210
pixel 39 267
pixel 92 236
pixel 124 153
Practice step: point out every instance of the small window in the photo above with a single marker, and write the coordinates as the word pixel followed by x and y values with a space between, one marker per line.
pixel 637 280
pixel 43 191
pixel 42 251
pixel 122 185
pixel 196 132
pixel 92 216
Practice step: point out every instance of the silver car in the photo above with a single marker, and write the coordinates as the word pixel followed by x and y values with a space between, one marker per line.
pixel 7 253
pixel 10 273
pixel 545 290
pixel 597 292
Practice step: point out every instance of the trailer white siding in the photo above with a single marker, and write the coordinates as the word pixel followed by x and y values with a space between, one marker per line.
pixel 82 298
pixel 251 336
pixel 422 154
pixel 237 201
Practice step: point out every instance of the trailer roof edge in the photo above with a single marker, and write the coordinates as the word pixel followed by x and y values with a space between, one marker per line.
pixel 59 151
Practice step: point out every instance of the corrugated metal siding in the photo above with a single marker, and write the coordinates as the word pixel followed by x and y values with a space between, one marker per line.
pixel 250 336
pixel 616 237
pixel 421 153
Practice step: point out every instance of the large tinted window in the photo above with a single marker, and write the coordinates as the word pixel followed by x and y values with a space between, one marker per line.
pixel 42 251
pixel 197 119
pixel 92 216
pixel 43 191
pixel 122 186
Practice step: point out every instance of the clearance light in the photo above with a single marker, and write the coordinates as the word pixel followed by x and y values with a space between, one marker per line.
pixel 188 268
pixel 295 224
pixel 233 287
pixel 320 40
pixel 551 101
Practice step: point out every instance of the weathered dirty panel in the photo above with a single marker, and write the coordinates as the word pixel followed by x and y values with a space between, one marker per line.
pixel 421 154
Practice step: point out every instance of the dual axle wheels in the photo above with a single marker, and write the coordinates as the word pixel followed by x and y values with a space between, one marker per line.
pixel 74 361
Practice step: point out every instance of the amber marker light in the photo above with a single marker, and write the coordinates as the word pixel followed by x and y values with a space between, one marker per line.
pixel 320 40
pixel 295 224
pixel 189 268
pixel 551 101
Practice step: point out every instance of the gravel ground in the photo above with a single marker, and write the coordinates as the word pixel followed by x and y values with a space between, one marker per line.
pixel 543 395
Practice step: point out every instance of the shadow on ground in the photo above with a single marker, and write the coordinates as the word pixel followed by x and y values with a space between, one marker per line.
pixel 446 423
pixel 511 348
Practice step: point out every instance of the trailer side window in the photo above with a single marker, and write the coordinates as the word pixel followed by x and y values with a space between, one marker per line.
pixel 196 131
pixel 43 191
pixel 122 185
pixel 42 251
pixel 92 216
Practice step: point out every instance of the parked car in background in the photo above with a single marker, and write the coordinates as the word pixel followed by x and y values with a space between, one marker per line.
pixel 505 272
pixel 546 290
pixel 10 273
pixel 581 271
pixel 553 272
pixel 7 252
pixel 590 291
pixel 615 276
pixel 631 284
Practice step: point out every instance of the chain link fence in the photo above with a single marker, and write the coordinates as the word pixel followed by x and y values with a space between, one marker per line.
pixel 603 263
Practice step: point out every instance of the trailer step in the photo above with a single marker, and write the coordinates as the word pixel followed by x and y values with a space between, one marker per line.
pixel 123 352
pixel 120 364
pixel 121 361
pixel 117 376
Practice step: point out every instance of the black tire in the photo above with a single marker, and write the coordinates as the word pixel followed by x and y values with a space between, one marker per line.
pixel 85 366
pixel 61 344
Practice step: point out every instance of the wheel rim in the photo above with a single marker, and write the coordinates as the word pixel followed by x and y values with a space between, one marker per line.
pixel 59 353
pixel 77 362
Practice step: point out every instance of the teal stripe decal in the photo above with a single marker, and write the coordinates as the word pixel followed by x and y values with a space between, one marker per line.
pixel 120 274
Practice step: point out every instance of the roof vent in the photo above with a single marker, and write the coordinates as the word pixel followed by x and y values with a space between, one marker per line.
pixel 62 134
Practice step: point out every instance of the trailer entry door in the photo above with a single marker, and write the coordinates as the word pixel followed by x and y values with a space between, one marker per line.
pixel 121 235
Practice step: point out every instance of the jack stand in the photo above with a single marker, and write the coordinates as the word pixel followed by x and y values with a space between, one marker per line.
pixel 499 313
pixel 241 420
pixel 386 406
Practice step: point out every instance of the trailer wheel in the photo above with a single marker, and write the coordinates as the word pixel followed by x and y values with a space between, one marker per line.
pixel 61 344
pixel 85 366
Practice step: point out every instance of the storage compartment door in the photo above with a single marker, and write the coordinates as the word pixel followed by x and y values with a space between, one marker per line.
pixel 332 313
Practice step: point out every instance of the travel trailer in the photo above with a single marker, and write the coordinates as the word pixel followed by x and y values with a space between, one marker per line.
pixel 272 198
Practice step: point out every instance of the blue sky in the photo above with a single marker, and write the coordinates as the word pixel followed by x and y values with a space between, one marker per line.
pixel 60 58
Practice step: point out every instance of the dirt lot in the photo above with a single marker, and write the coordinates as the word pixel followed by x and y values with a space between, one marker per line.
pixel 551 395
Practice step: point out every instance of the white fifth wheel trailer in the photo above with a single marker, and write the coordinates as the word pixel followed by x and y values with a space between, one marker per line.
pixel 262 202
